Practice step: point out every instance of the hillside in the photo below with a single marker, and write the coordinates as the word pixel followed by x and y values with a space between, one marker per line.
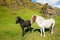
pixel 18 4
pixel 58 11
pixel 9 30
pixel 27 4
pixel 11 9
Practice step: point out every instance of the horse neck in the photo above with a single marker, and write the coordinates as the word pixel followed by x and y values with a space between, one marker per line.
pixel 39 19
pixel 21 21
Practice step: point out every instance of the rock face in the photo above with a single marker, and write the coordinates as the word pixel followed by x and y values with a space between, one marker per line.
pixel 16 4
pixel 19 4
pixel 48 10
pixel 2 2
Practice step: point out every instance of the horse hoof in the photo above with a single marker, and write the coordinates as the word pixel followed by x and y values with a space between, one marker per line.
pixel 44 35
pixel 41 34
pixel 51 33
pixel 22 35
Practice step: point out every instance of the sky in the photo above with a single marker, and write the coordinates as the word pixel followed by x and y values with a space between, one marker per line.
pixel 53 3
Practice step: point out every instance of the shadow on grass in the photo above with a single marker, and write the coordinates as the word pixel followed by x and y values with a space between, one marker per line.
pixel 39 30
pixel 27 30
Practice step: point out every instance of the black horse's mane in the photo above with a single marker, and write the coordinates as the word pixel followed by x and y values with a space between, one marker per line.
pixel 20 18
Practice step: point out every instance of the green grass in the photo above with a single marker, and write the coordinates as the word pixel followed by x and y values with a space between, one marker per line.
pixel 9 30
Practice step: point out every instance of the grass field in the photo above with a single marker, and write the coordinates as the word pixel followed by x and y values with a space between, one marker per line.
pixel 9 30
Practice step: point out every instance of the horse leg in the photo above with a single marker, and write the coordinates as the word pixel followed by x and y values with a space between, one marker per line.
pixel 27 27
pixel 52 28
pixel 22 31
pixel 43 32
pixel 30 28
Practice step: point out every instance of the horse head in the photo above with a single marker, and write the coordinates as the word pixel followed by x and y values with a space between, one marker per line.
pixel 33 19
pixel 17 20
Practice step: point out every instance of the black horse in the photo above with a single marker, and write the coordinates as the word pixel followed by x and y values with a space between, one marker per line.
pixel 23 24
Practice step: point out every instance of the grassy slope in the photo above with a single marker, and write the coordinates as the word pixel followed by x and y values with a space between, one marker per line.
pixel 11 31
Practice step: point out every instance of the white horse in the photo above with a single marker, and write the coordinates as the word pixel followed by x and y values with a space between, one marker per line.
pixel 43 23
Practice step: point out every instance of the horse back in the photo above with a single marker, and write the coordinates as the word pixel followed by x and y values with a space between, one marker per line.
pixel 26 23
pixel 48 23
